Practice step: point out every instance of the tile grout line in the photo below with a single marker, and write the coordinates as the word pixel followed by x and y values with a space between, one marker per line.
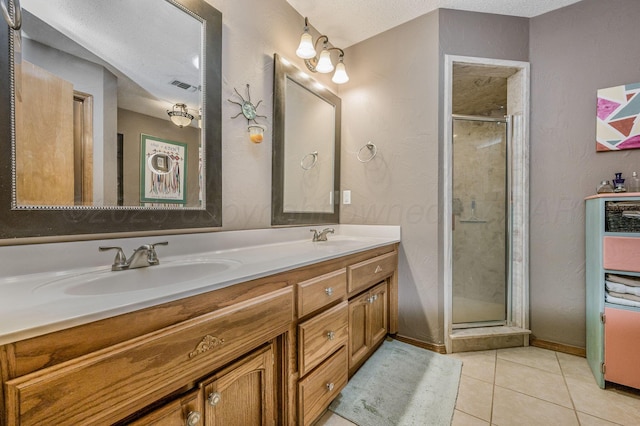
pixel 566 385
pixel 493 387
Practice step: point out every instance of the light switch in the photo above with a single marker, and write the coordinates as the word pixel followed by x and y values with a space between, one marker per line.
pixel 346 197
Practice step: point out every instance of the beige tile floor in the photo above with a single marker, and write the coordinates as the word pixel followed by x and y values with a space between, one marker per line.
pixel 532 386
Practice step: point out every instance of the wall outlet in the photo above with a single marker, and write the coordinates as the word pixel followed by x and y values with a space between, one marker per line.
pixel 346 197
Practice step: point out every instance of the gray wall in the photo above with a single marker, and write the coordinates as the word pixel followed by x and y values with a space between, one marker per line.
pixel 574 52
pixel 252 32
pixel 394 99
pixel 391 100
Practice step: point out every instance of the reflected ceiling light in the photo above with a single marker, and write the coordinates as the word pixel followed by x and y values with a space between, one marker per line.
pixel 180 116
pixel 307 50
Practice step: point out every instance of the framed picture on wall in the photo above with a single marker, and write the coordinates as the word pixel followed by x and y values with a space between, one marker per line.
pixel 163 170
pixel 618 113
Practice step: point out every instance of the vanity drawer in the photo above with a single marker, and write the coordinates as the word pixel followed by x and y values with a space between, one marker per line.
pixel 321 335
pixel 178 412
pixel 318 292
pixel 318 389
pixel 363 274
pixel 621 253
pixel 107 385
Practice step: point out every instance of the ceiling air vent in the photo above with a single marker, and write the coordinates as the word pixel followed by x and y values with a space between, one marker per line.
pixel 183 85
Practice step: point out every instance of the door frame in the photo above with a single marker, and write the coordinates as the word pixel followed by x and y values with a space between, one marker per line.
pixel 519 268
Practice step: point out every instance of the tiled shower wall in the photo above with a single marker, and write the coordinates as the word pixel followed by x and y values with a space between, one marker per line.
pixel 479 242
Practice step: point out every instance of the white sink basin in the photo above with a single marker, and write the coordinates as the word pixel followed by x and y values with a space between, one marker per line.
pixel 166 274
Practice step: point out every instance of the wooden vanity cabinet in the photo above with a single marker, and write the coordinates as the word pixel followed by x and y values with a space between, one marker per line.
pixel 368 324
pixel 272 351
pixel 322 337
pixel 108 385
pixel 351 309
pixel 184 411
pixel 243 393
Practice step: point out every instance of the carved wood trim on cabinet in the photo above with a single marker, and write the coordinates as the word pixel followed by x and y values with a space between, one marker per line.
pixel 110 384
pixel 121 367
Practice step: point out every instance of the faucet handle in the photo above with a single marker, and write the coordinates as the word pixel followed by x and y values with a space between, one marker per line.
pixel 315 234
pixel 120 261
pixel 153 257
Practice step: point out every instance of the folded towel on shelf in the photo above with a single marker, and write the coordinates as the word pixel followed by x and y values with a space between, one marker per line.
pixel 620 301
pixel 626 280
pixel 621 288
pixel 625 296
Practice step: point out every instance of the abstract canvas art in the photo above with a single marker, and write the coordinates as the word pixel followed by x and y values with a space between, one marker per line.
pixel 618 113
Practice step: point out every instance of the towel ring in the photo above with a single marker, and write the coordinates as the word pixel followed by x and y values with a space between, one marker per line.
pixel 14 22
pixel 373 149
pixel 313 154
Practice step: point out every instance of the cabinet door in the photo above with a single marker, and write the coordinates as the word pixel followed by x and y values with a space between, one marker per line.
pixel 378 313
pixel 186 410
pixel 622 346
pixel 242 394
pixel 359 338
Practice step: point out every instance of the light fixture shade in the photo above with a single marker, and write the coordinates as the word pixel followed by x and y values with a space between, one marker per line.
pixel 180 116
pixel 324 63
pixel 306 49
pixel 340 76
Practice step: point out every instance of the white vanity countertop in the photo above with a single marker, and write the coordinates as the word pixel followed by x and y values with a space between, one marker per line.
pixel 41 285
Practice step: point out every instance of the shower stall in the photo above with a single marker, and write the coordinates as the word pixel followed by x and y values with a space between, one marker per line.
pixel 485 203
pixel 481 221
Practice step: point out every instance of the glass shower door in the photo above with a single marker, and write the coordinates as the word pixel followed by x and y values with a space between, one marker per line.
pixel 480 222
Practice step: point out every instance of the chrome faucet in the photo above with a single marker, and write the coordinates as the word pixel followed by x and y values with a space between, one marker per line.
pixel 321 236
pixel 143 256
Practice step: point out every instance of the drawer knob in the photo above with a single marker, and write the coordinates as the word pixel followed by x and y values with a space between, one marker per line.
pixel 214 398
pixel 331 335
pixel 378 269
pixel 193 418
pixel 330 386
pixel 329 291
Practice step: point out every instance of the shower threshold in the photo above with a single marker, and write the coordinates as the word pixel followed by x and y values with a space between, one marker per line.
pixel 485 338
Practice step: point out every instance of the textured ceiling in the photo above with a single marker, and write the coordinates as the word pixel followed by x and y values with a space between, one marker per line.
pixel 479 89
pixel 348 22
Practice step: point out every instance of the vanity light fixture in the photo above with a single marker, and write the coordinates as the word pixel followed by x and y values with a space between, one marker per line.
pixel 180 116
pixel 308 51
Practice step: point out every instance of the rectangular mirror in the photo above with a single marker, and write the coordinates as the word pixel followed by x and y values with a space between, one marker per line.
pixel 114 117
pixel 82 59
pixel 306 149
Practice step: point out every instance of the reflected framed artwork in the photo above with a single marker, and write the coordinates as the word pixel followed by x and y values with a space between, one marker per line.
pixel 618 123
pixel 163 170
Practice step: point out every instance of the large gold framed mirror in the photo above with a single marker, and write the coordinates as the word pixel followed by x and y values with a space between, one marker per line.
pixel 111 112
pixel 306 149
